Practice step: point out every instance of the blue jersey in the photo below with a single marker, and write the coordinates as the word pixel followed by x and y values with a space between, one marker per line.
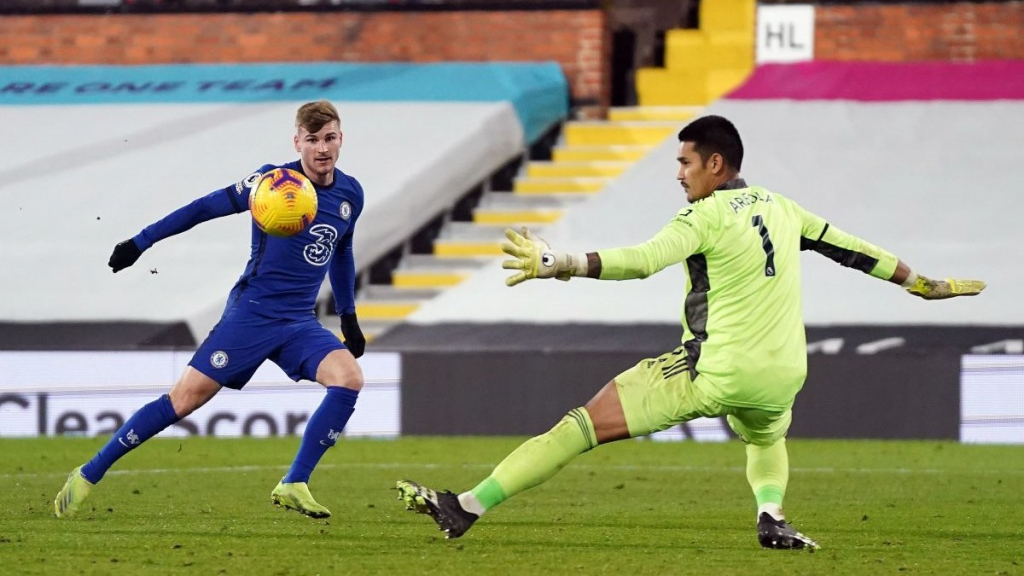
pixel 283 275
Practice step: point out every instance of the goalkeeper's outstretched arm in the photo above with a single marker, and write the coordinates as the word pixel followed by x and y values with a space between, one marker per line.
pixel 851 251
pixel 532 257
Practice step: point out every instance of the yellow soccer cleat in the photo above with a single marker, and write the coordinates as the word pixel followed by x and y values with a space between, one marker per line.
pixel 443 507
pixel 71 496
pixel 296 496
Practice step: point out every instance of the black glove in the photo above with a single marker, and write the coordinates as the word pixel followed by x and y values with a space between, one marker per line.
pixel 125 254
pixel 354 339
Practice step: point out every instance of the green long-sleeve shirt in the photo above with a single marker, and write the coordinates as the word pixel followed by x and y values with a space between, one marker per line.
pixel 742 320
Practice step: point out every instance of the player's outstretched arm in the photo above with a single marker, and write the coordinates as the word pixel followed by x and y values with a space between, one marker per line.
pixel 534 258
pixel 216 204
pixel 125 254
pixel 924 287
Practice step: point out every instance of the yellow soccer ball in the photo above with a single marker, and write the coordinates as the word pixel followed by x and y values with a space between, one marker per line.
pixel 283 203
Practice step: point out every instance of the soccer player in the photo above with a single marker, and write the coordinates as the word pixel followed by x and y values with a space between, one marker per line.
pixel 743 353
pixel 269 315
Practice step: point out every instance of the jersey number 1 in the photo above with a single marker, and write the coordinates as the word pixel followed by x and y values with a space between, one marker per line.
pixel 766 243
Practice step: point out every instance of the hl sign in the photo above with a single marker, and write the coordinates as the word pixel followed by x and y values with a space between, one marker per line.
pixel 785 33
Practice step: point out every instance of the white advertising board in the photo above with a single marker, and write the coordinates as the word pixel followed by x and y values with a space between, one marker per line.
pixel 992 399
pixel 93 393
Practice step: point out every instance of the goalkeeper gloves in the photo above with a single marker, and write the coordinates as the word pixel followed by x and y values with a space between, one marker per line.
pixel 125 254
pixel 929 289
pixel 535 259
pixel 354 339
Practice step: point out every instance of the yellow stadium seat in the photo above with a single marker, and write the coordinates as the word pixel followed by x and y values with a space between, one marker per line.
pixel 662 87
pixel 696 49
pixel 723 80
pixel 730 50
pixel 685 49
pixel 727 15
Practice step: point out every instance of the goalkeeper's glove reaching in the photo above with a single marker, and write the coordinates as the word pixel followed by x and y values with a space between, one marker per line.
pixel 125 254
pixel 535 259
pixel 929 289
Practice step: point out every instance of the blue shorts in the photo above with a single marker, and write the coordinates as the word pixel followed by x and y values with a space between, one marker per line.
pixel 241 341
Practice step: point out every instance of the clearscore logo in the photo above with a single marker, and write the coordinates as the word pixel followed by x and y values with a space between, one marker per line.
pixel 51 420
pixel 94 393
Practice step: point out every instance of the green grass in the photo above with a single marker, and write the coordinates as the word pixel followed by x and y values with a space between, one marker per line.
pixel 201 506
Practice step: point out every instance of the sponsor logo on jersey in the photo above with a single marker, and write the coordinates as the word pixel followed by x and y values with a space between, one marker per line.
pixel 346 210
pixel 219 359
pixel 319 253
pixel 248 182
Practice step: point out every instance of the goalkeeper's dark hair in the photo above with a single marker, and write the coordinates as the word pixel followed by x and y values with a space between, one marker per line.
pixel 711 134
pixel 315 115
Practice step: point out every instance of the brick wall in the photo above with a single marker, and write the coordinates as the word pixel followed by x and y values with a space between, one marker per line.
pixel 961 31
pixel 577 39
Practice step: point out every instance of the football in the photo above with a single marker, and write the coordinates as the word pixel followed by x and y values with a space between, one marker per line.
pixel 283 202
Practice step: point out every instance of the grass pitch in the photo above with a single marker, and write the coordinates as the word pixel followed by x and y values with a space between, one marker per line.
pixel 202 506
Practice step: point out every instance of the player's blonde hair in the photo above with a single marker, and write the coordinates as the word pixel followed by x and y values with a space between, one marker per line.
pixel 315 115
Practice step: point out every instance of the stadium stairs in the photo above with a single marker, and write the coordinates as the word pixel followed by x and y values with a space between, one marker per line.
pixel 568 165
pixel 703 64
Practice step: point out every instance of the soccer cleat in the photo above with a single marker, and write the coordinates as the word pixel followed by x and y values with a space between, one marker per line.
pixel 443 507
pixel 778 534
pixel 71 496
pixel 296 496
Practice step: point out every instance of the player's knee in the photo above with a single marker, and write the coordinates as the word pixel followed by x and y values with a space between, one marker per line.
pixel 185 400
pixel 192 391
pixel 350 381
pixel 353 378
pixel 340 371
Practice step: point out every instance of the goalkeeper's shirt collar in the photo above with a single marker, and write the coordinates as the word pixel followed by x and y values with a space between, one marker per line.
pixel 734 184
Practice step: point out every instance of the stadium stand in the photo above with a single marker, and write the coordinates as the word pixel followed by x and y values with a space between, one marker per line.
pixel 136 152
pixel 555 157
pixel 919 171
pixel 848 156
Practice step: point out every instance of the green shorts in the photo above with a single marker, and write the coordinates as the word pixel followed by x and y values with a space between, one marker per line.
pixel 658 393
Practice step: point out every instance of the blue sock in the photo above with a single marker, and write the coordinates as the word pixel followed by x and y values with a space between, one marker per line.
pixel 322 431
pixel 143 425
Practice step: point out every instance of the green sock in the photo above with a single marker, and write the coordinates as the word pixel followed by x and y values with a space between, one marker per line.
pixel 538 459
pixel 768 472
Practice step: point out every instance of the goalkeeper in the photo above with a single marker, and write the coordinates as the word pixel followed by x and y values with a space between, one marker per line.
pixel 740 244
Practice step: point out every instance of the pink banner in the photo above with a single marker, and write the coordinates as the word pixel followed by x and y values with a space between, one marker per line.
pixel 885 81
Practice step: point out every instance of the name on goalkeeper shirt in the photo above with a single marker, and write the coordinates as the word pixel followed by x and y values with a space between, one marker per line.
pixel 749 199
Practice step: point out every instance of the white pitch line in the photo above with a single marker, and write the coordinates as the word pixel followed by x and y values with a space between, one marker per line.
pixel 620 468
